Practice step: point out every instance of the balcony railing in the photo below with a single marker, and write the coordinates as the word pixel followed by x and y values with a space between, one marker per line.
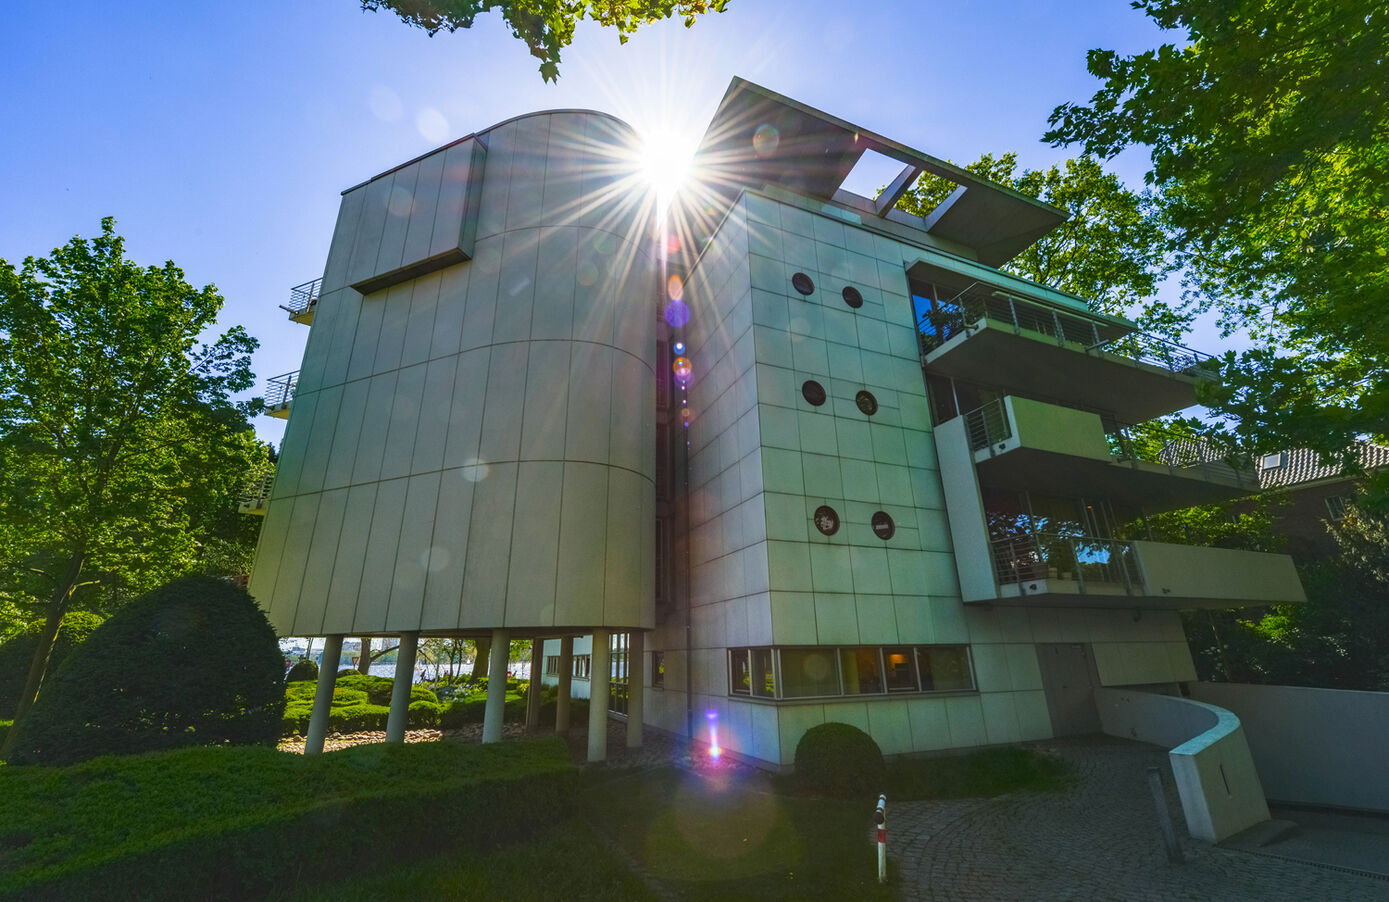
pixel 279 392
pixel 1029 557
pixel 979 303
pixel 988 425
pixel 1172 448
pixel 257 495
pixel 302 299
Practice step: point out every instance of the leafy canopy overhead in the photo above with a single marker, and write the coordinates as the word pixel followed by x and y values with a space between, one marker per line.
pixel 1268 132
pixel 546 26
pixel 1111 251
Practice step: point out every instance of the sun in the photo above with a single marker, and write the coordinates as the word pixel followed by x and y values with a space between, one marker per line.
pixel 665 163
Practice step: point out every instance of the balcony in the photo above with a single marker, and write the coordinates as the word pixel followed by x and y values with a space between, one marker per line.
pixel 257 496
pixel 1056 570
pixel 279 394
pixel 302 301
pixel 1018 444
pixel 990 337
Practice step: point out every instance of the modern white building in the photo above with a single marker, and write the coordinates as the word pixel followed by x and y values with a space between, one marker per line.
pixel 789 455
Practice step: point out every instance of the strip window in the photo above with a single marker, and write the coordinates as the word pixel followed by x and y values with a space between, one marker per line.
pixel 823 671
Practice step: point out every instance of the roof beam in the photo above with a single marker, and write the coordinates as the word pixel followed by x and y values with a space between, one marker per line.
pixel 893 192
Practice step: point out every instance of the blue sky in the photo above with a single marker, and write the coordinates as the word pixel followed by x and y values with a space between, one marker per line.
pixel 220 135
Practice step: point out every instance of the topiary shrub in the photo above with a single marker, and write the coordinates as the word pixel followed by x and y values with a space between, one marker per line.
pixel 839 760
pixel 194 662
pixel 302 670
pixel 17 654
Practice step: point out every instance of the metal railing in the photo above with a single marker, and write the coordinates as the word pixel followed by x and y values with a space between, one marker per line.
pixel 1177 449
pixel 979 303
pixel 302 298
pixel 279 390
pixel 257 494
pixel 1085 560
pixel 988 425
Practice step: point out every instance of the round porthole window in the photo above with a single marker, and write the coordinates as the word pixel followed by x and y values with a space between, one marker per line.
pixel 814 392
pixel 852 297
pixel 826 520
pixel 883 527
pixel 801 282
pixel 866 403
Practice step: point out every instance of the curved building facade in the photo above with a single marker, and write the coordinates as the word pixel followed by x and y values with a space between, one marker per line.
pixel 470 440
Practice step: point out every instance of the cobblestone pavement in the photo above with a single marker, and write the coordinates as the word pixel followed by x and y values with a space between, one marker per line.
pixel 1097 840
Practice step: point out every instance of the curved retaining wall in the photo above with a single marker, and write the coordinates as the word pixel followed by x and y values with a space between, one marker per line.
pixel 1216 779
pixel 475 409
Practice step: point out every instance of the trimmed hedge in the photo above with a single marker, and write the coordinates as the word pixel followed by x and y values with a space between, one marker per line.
pixel 302 670
pixel 361 703
pixel 194 662
pixel 17 654
pixel 239 823
pixel 839 760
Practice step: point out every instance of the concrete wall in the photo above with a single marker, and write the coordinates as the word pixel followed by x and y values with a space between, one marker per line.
pixel 1051 427
pixel 471 447
pixel 1313 746
pixel 1222 576
pixel 1215 773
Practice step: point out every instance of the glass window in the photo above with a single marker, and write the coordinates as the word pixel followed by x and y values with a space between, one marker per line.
pixel 899 666
pixel 808 672
pixel 739 672
pixel 658 670
pixel 944 667
pixel 862 671
pixel 763 679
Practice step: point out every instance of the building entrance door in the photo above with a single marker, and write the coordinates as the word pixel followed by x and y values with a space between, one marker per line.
pixel 1069 678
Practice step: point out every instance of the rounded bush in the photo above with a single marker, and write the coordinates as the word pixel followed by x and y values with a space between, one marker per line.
pixel 839 759
pixel 302 670
pixel 194 662
pixel 17 654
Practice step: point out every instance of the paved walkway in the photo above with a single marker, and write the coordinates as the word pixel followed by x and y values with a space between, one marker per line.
pixel 1097 840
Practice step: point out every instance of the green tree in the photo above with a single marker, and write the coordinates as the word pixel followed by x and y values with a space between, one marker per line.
pixel 546 26
pixel 1111 251
pixel 1268 135
pixel 118 435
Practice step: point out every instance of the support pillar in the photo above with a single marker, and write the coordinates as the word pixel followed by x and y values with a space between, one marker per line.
pixel 495 712
pixel 323 694
pixel 400 689
pixel 636 680
pixel 533 691
pixel 598 679
pixel 566 677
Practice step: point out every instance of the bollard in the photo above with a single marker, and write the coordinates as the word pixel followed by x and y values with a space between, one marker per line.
pixel 880 818
pixel 1169 835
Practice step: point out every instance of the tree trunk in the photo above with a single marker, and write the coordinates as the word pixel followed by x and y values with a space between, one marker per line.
pixel 57 607
pixel 364 659
pixel 483 652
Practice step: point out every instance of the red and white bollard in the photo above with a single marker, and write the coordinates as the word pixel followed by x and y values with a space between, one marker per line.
pixel 880 818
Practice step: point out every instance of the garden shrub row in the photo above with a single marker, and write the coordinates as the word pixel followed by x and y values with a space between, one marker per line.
pixel 361 703
pixel 240 823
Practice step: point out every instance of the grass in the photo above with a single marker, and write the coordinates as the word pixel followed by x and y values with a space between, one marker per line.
pixel 562 860
pixel 721 836
pixel 117 812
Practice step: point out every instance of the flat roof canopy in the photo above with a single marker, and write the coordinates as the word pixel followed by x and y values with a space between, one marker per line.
pixel 759 137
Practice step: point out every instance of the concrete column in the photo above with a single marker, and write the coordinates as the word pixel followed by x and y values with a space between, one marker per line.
pixel 566 676
pixel 495 711
pixel 533 692
pixel 323 694
pixel 636 696
pixel 400 689
pixel 598 697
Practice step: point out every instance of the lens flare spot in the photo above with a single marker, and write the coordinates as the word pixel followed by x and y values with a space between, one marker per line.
pixel 683 369
pixel 679 347
pixel 474 469
pixel 401 202
pixel 677 314
pixel 765 139
pixel 603 243
pixel 685 415
pixel 675 288
pixel 434 559
pixel 673 243
pixel 432 125
pixel 587 275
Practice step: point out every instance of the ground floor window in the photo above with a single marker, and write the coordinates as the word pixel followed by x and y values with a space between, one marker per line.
pixel 552 665
pixel 828 671
pixel 582 665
